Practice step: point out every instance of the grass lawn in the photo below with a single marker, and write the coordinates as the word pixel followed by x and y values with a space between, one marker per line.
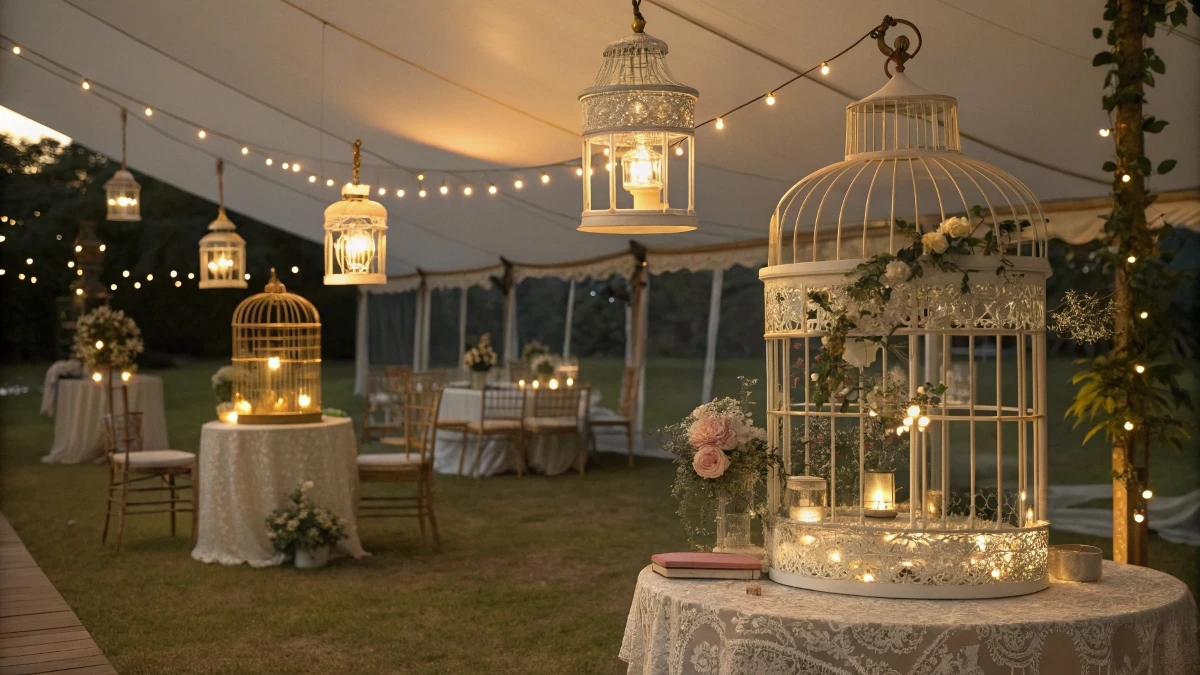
pixel 535 574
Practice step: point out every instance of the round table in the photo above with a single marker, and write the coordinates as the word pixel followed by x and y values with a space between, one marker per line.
pixel 79 412
pixel 248 470
pixel 1134 618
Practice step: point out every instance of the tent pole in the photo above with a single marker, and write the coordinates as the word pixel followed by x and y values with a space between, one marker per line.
pixel 416 357
pixel 714 321
pixel 462 323
pixel 427 307
pixel 640 353
pixel 566 350
pixel 362 356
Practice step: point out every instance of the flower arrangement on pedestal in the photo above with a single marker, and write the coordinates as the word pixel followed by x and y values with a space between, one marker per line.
pixel 721 459
pixel 106 339
pixel 305 530
pixel 222 386
pixel 480 359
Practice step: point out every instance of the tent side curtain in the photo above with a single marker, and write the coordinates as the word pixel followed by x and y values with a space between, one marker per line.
pixel 1075 222
pixel 391 320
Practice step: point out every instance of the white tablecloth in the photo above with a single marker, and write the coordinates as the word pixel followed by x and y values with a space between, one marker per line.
pixel 248 470
pixel 1134 620
pixel 79 417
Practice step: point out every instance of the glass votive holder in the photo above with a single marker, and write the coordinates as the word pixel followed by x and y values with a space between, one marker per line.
pixel 879 494
pixel 804 499
pixel 933 503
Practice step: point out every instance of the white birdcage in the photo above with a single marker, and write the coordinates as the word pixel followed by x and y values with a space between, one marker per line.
pixel 970 521
pixel 122 192
pixel 276 358
pixel 355 235
pixel 222 250
pixel 637 122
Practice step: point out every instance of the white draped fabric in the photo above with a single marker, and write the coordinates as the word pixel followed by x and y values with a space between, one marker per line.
pixel 248 470
pixel 79 417
pixel 1134 620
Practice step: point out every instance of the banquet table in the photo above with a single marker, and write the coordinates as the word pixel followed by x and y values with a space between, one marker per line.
pixel 248 470
pixel 1134 618
pixel 79 417
pixel 550 455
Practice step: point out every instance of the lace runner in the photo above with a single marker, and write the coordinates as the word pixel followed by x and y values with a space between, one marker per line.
pixel 1134 620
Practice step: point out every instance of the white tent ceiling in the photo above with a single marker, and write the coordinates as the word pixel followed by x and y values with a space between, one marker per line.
pixel 467 85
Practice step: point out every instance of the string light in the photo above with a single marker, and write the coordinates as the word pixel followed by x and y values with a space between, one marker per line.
pixel 137 284
pixel 1147 494
pixel 21 276
pixel 1137 517
pixel 191 275
pixel 87 85
pixel 1140 368
pixel 102 247
pixel 518 183
pixel 545 178
pixel 444 189
pixel 420 176
pixel 271 161
pixel 295 269
pixel 71 264
pixel 421 193
pixel 150 113
pixel 1126 178
pixel 1144 315
pixel 720 123
pixel 579 171
pixel 202 134
pixel 679 150
pixel 467 191
pixel 608 166
pixel 149 277
pixel 112 287
pixel 492 189
pixel 78 291
pixel 78 249
pixel 245 150
pixel 329 182
pixel 382 191
pixel 16 49
pixel 824 68
pixel 771 98
pixel 400 192
pixel 312 179
pixel 1105 132
pixel 29 261
pixel 286 166
pixel 1129 426
pixel 295 168
pixel 178 284
pixel 247 276
pixel 125 274
pixel 174 274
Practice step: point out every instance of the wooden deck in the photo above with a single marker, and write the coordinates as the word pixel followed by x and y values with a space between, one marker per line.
pixel 38 631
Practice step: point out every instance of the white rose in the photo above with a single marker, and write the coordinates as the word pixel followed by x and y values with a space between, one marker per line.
pixel 934 242
pixel 897 271
pixel 860 353
pixel 956 227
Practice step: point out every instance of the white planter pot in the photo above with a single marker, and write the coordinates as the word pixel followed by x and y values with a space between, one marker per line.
pixel 479 379
pixel 307 559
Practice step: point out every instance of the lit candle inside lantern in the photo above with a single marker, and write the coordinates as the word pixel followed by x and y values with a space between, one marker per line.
pixel 125 376
pixel 243 406
pixel 804 500
pixel 807 514
pixel 553 383
pixel 535 384
pixel 933 503
pixel 642 171
pixel 879 490
pixel 570 382
pixel 96 377
pixel 521 384
pixel 273 363
pixel 303 400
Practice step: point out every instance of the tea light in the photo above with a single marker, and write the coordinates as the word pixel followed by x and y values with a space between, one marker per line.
pixel 879 490
pixel 243 406
pixel 933 503
pixel 303 400
pixel 804 500
pixel 807 514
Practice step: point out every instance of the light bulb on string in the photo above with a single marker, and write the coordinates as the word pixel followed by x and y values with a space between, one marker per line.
pixel 1144 315
pixel 271 161
pixel 382 191
pixel 329 182
pixel 1126 178
pixel 492 189
pixel 1139 368
pixel 87 85
pixel 1137 517
pixel 1105 132
pixel 286 166
pixel 1147 494
pixel 518 183
pixel 150 113
pixel 295 269
pixel 421 193
pixel 720 123
pixel 824 68
pixel 579 171
pixel 770 98
pixel 679 150
pixel 312 179
pixel 444 189
pixel 545 178
pixel 295 168
pixel 1129 426
pixel 420 176
pixel 16 49
pixel 467 191
pixel 191 275
pixel 71 264
pixel 400 192
pixel 202 133
pixel 245 150
pixel 112 287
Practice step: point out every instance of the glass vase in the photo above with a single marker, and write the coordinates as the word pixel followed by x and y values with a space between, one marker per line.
pixel 735 521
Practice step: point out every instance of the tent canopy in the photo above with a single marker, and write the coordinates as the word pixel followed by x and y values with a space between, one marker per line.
pixel 462 91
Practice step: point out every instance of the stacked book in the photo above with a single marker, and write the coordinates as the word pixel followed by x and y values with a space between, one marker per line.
pixel 691 565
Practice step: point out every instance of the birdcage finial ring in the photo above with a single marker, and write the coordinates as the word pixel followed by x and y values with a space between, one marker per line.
pixel 274 285
pixel 898 53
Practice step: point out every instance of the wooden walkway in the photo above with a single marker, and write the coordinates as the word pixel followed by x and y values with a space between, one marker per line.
pixel 38 631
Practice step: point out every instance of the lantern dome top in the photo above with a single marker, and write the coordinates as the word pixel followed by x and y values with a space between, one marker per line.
pixel 636 92
pixel 121 179
pixel 222 223
pixel 355 203
pixel 275 307
pixel 636 61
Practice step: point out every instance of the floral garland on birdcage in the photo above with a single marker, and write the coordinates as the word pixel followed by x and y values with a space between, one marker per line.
pixel 837 366
pixel 718 451
pixel 304 525
pixel 106 338
pixel 482 357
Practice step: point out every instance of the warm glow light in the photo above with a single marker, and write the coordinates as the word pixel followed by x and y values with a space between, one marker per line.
pixel 102 247
pixel 245 150
pixel 1137 517
pixel 295 168
pixel 923 422
pixel 1129 426
pixel 126 375
pixel 579 171
pixel 467 191
pixel 247 276
pixel 720 122
pixel 149 277
pixel 545 178
pixel 125 274
pixel 606 152
pixel 535 384
pixel 400 193
pixel 421 193
pixel 908 421
pixel 1126 178
pixel 570 382
pixel 835 556
pixel 771 98
pixel 99 344
pixel 521 384
pixel 382 191
pixel 901 429
pixel 312 179
pixel 202 134
pixel 96 377
pixel 1144 315
pixel 444 190
pixel 1105 132
pixel 824 68
pixel 286 166
pixel 29 261
pixel 271 161
pixel 111 287
pixel 295 269
pixel 191 275
pixel 137 284
pixel 420 176
pixel 33 280
pixel 1131 259
pixel 553 383
pixel 518 183
pixel 1147 494
pixel 329 182
pixel 868 577
pixel 492 189
pixel 303 400
pixel 71 264
pixel 914 411
pixel 87 85
pixel 679 150
pixel 273 363
pixel 174 274
pixel 178 284
pixel 995 574
pixel 16 49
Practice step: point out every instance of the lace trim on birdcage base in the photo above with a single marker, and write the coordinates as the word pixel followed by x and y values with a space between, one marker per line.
pixel 641 110
pixel 894 554
pixel 996 306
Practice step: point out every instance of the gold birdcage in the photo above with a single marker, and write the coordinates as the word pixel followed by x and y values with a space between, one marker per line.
pixel 276 358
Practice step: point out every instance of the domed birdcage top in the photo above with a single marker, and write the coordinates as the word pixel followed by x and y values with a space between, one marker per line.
pixel 635 91
pixel 904 169
pixel 275 307
pixel 122 179
pixel 222 228
pixel 354 205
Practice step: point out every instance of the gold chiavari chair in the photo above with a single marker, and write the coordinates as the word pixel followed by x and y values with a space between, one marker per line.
pixel 413 465
pixel 134 472
pixel 555 412
pixel 625 413
pixel 501 413
pixel 383 406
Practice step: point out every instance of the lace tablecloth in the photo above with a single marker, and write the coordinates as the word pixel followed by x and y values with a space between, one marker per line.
pixel 248 470
pixel 1134 620
pixel 79 411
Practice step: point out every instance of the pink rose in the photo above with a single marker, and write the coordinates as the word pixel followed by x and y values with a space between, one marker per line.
pixel 717 430
pixel 710 462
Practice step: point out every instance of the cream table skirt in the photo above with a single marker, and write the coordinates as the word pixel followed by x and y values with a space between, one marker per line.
pixel 1134 620
pixel 550 455
pixel 248 470
pixel 79 417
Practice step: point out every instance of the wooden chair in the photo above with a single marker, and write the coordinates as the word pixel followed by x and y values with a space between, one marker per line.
pixel 555 412
pixel 413 465
pixel 133 471
pixel 501 413
pixel 425 381
pixel 382 404
pixel 625 412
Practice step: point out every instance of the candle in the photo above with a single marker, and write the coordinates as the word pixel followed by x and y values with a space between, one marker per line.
pixel 933 503
pixel 807 514
pixel 879 490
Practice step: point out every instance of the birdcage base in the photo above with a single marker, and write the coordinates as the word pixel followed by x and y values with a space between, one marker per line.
pixel 355 279
pixel 909 591
pixel 628 221
pixel 281 418
pixel 223 283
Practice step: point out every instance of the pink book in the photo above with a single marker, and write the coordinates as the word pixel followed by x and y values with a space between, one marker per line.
pixel 705 561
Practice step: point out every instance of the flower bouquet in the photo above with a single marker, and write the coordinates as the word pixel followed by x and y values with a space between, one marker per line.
pixel 480 359
pixel 304 530
pixel 106 339
pixel 222 386
pixel 721 459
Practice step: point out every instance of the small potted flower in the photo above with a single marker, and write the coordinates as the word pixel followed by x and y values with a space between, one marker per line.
pixel 304 530
pixel 479 360
pixel 543 367
pixel 222 386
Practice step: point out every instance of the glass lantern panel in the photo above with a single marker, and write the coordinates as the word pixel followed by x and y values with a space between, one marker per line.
pixel 123 203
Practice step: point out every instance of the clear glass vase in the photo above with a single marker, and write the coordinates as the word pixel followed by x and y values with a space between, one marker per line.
pixel 735 522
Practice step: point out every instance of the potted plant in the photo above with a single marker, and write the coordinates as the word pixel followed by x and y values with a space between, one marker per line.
pixel 222 386
pixel 479 360
pixel 543 366
pixel 304 530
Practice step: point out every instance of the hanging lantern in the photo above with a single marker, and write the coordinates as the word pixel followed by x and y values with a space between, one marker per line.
pixel 636 115
pixel 222 250
pixel 355 235
pixel 122 191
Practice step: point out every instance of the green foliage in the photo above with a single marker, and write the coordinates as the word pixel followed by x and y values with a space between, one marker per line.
pixel 303 525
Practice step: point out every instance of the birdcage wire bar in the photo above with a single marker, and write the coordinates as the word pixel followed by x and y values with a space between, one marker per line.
pixel 276 358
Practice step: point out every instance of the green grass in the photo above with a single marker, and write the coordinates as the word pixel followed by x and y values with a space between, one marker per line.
pixel 535 574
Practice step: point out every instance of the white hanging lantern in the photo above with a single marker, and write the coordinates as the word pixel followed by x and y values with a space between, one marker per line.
pixel 636 117
pixel 122 191
pixel 222 250
pixel 355 235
